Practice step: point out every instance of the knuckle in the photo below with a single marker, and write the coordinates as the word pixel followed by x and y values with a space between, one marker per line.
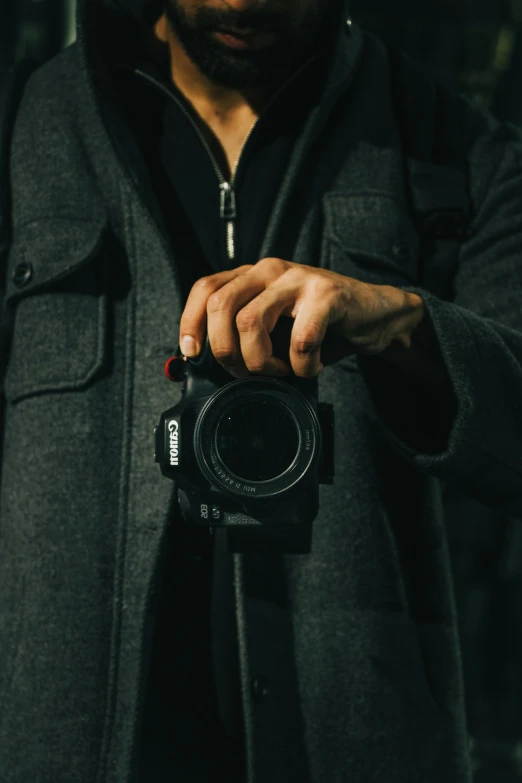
pixel 306 344
pixel 274 265
pixel 322 289
pixel 257 366
pixel 333 285
pixel 248 321
pixel 204 285
pixel 293 275
pixel 217 301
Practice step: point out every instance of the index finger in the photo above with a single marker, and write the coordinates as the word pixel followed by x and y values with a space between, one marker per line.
pixel 193 322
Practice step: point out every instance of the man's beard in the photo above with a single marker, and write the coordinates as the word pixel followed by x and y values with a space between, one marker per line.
pixel 243 69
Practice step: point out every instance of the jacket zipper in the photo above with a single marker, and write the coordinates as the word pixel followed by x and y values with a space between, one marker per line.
pixel 228 204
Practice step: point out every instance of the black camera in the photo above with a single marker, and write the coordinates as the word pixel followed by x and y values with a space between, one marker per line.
pixel 248 454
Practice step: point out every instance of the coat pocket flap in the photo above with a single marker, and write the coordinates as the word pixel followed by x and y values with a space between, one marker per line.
pixel 44 252
pixel 375 232
pixel 56 307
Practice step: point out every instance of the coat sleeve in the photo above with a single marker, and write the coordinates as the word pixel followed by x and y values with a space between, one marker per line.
pixel 478 336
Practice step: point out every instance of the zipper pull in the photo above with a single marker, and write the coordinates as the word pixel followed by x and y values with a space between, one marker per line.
pixel 228 201
pixel 228 212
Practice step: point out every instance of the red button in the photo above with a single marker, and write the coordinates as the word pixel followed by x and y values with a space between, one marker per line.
pixel 175 369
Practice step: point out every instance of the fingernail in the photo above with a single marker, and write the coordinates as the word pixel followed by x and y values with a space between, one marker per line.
pixel 189 347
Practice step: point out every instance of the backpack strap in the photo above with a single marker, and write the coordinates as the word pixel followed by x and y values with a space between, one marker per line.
pixel 436 173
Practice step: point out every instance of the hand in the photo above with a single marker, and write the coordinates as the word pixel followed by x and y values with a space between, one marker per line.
pixel 334 316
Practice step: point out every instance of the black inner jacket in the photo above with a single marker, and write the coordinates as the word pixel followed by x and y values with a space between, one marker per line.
pixel 262 163
pixel 183 735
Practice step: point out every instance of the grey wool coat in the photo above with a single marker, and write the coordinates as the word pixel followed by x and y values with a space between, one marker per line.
pixel 356 641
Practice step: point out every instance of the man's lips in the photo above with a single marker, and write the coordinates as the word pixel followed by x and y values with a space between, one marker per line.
pixel 245 40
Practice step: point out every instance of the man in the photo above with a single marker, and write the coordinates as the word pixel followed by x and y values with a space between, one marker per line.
pixel 133 646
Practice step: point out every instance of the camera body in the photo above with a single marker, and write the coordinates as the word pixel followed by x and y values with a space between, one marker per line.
pixel 248 455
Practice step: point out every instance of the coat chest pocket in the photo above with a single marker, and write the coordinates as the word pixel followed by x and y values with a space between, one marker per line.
pixel 56 307
pixel 369 236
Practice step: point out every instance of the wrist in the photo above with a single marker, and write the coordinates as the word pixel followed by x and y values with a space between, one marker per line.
pixel 407 346
pixel 414 314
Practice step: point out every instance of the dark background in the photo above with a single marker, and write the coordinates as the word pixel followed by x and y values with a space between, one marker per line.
pixel 474 47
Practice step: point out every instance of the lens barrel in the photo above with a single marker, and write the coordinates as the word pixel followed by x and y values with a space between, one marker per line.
pixel 257 438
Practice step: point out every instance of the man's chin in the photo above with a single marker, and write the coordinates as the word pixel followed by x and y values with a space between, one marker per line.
pixel 244 69
pixel 247 80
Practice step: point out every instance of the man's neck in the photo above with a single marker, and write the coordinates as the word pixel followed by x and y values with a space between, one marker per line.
pixel 221 108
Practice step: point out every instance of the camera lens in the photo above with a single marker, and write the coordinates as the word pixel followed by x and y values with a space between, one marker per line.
pixel 258 440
